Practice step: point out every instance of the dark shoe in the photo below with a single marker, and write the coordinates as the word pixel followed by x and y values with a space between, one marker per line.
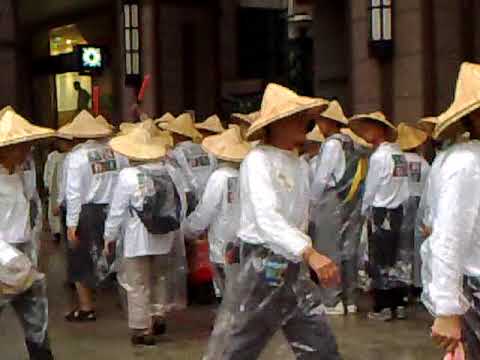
pixel 57 238
pixel 81 316
pixel 39 352
pixel 159 328
pixel 145 340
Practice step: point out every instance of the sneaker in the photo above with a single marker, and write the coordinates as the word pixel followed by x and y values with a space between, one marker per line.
pixel 352 309
pixel 384 315
pixel 401 313
pixel 335 311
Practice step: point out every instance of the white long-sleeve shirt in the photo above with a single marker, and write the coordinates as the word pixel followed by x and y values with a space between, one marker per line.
pixel 418 169
pixel 15 209
pixel 219 211
pixel 274 195
pixel 386 185
pixel 196 164
pixel 453 248
pixel 91 175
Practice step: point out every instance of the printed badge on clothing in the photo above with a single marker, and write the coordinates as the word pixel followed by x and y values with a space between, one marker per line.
pixel 102 161
pixel 400 166
pixel 232 186
pixel 200 161
pixel 415 171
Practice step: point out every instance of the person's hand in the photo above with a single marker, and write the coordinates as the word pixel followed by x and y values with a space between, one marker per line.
pixel 56 211
pixel 326 270
pixel 426 231
pixel 447 332
pixel 72 236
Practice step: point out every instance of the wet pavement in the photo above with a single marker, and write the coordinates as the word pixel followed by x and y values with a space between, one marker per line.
pixel 188 332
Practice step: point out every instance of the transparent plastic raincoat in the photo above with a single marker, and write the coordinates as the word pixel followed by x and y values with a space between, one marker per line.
pixel 450 255
pixel 273 290
pixel 335 219
pixel 124 224
pixel 24 289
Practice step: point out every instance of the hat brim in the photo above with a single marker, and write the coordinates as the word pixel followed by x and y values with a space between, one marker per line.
pixel 254 133
pixel 138 152
pixel 194 135
pixel 449 125
pixel 343 123
pixel 234 153
pixel 208 128
pixel 84 136
pixel 356 123
pixel 25 139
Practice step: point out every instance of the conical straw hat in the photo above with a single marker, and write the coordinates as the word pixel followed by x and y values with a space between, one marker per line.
pixel 85 126
pixel 356 139
pixel 409 137
pixel 335 112
pixel 182 125
pixel 167 117
pixel 14 129
pixel 149 124
pixel 467 100
pixel 356 122
pixel 316 135
pixel 141 144
pixel 247 118
pixel 228 146
pixel 280 103
pixel 212 124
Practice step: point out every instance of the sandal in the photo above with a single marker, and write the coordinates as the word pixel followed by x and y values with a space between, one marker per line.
pixel 81 316
pixel 143 339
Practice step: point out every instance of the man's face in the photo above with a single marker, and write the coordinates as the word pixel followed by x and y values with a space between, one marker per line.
pixel 372 133
pixel 327 126
pixel 291 132
pixel 475 123
pixel 17 154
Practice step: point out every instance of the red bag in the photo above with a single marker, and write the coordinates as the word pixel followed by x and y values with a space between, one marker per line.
pixel 201 270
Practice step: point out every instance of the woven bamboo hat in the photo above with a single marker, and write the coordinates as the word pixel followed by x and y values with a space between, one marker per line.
pixel 248 119
pixel 149 124
pixel 14 129
pixel 427 124
pixel 279 103
pixel 212 124
pixel 142 143
pixel 167 117
pixel 410 137
pixel 335 112
pixel 85 126
pixel 228 146
pixel 316 135
pixel 467 100
pixel 356 139
pixel 356 122
pixel 182 125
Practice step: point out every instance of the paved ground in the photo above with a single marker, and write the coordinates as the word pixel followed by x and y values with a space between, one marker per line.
pixel 189 331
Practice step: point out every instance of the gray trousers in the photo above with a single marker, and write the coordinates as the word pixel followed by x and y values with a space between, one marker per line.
pixel 31 308
pixel 254 310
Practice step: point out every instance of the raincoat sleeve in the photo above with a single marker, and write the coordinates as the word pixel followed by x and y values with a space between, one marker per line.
pixel 275 229
pixel 75 184
pixel 376 171
pixel 453 234
pixel 47 171
pixel 62 175
pixel 119 207
pixel 323 174
pixel 207 209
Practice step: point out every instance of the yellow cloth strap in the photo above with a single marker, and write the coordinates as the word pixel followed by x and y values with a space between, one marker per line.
pixel 360 175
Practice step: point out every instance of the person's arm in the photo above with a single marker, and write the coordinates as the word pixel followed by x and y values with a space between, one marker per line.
pixel 47 172
pixel 376 170
pixel 275 230
pixel 74 185
pixel 453 233
pixel 208 208
pixel 119 208
pixel 323 174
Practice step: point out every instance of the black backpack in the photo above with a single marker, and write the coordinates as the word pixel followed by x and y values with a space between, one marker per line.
pixel 161 213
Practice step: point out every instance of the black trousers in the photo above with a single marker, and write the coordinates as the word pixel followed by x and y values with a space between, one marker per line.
pixel 389 299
